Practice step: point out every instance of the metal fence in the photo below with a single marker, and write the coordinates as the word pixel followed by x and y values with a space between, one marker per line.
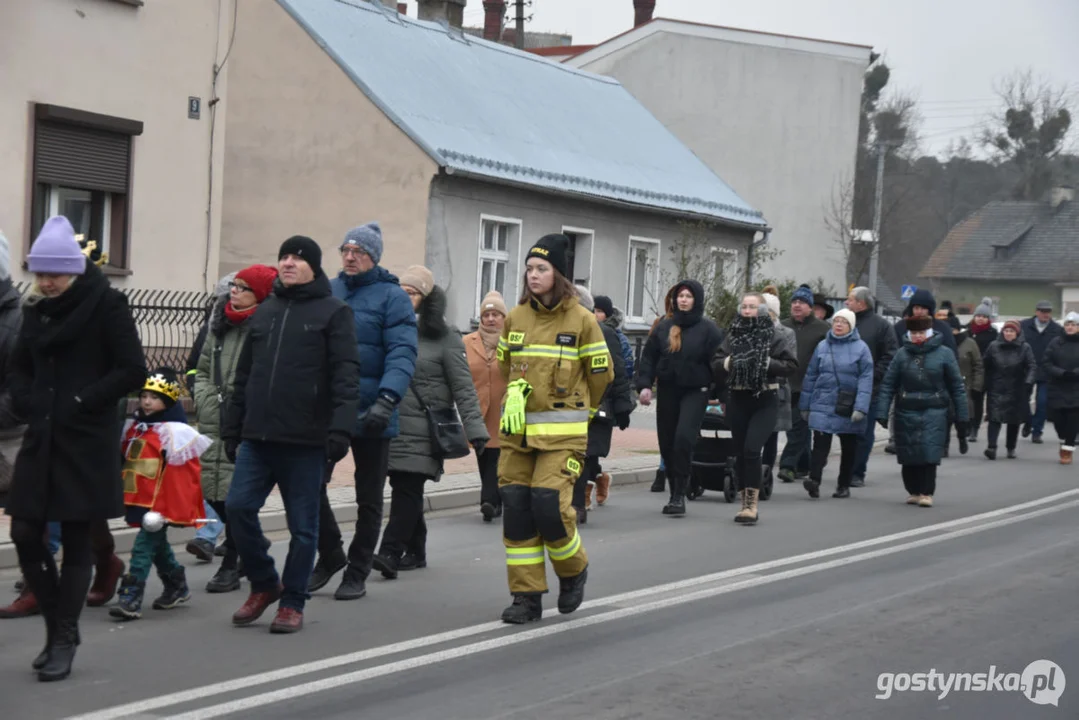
pixel 167 320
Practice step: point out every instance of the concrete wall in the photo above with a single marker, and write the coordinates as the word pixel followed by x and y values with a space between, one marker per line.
pixel 307 153
pixel 139 63
pixel 779 125
pixel 1014 298
pixel 454 227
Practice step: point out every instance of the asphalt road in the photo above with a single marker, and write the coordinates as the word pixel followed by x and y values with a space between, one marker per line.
pixel 694 618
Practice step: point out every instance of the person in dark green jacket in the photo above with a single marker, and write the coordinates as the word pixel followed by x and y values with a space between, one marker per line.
pixel 924 380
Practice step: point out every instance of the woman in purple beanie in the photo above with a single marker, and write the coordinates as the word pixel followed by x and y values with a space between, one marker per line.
pixel 77 355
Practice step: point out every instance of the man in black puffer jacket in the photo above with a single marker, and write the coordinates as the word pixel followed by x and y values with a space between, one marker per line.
pixel 877 333
pixel 293 405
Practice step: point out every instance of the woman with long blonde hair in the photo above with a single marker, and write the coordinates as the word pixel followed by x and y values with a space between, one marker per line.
pixel 676 360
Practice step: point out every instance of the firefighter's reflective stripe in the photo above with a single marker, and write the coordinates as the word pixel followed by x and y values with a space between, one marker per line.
pixel 557 352
pixel 558 429
pixel 567 551
pixel 599 348
pixel 525 555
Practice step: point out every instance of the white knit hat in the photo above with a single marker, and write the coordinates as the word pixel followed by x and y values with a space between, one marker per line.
pixel 772 302
pixel 847 315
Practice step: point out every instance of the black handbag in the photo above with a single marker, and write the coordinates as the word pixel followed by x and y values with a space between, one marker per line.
pixel 844 399
pixel 448 441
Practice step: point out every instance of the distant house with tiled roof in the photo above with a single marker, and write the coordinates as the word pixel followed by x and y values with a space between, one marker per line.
pixel 345 111
pixel 1017 252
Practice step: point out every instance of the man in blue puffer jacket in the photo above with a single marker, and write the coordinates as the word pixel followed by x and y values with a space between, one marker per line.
pixel 386 333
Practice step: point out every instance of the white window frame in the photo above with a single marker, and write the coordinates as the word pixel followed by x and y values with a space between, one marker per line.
pixel 53 203
pixel 579 231
pixel 510 257
pixel 630 276
pixel 731 254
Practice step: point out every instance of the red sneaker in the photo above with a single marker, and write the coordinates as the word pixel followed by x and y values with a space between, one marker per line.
pixel 256 604
pixel 105 581
pixel 287 620
pixel 24 606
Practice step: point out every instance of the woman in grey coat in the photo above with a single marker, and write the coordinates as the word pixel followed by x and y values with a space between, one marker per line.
pixel 443 380
pixel 785 416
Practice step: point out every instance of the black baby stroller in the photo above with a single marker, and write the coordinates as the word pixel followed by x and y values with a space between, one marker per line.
pixel 712 465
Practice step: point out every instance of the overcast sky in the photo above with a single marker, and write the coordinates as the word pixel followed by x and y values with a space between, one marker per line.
pixel 947 52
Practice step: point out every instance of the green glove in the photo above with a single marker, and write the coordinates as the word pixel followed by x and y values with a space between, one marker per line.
pixel 513 415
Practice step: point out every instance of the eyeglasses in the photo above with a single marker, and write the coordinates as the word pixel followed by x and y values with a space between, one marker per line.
pixel 352 252
pixel 241 288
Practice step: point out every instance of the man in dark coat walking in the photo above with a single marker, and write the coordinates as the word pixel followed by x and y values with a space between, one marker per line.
pixel 809 331
pixel 385 327
pixel 294 406
pixel 877 333
pixel 1038 332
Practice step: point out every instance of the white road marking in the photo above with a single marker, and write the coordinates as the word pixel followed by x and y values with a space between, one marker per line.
pixel 245 683
pixel 317 686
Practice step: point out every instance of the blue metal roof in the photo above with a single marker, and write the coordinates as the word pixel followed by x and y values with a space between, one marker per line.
pixel 491 111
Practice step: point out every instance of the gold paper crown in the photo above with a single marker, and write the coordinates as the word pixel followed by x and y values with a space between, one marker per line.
pixel 88 247
pixel 158 384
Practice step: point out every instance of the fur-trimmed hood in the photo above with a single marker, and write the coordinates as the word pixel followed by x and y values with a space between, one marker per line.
pixel 431 316
pixel 616 320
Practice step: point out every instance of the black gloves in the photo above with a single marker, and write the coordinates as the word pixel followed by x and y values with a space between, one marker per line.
pixel 378 416
pixel 231 445
pixel 337 446
pixel 479 444
pixel 622 420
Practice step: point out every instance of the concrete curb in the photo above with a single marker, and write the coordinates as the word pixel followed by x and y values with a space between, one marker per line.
pixel 345 514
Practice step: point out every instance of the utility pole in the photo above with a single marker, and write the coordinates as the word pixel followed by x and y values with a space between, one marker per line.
pixel 879 201
pixel 520 39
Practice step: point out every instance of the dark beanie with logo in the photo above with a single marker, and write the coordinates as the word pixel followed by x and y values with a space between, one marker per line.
pixel 553 248
pixel 303 247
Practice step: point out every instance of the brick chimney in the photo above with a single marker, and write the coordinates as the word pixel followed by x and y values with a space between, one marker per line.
pixel 1061 194
pixel 402 8
pixel 452 11
pixel 642 11
pixel 494 13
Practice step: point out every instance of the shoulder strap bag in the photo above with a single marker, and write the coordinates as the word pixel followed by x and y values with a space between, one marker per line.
pixel 448 441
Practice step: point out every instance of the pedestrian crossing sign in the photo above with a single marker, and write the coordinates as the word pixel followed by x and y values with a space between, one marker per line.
pixel 908 292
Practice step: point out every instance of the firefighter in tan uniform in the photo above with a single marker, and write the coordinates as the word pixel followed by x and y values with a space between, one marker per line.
pixel 556 364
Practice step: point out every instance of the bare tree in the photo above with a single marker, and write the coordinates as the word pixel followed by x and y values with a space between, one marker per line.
pixel 1030 129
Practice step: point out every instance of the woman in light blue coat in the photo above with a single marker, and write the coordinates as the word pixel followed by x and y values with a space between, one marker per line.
pixel 835 399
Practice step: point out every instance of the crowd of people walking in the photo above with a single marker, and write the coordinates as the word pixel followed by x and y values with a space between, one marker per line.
pixel 293 370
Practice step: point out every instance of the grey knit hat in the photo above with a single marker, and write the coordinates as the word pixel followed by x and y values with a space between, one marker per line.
pixel 985 309
pixel 367 238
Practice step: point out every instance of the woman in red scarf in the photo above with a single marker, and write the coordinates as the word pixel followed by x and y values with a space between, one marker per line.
pixel 214 376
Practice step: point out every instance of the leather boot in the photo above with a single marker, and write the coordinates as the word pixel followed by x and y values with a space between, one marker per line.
pixel 61 651
pixel 603 488
pixel 106 579
pixel 660 483
pixel 748 514
pixel 24 605
pixel 526 608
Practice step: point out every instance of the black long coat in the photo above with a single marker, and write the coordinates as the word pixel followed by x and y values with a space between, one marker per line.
pixel 77 355
pixel 1061 366
pixel 617 399
pixel 1010 370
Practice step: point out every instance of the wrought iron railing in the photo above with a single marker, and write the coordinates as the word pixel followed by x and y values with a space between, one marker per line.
pixel 168 322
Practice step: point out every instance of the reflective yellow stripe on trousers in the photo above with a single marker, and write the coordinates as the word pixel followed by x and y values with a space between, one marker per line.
pixel 557 422
pixel 525 555
pixel 565 553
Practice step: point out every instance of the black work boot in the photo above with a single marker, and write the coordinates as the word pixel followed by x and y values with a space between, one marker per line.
pixel 675 506
pixel 571 589
pixel 660 483
pixel 991 452
pixel 387 564
pixel 129 603
pixel 843 491
pixel 812 487
pixel 175 592
pixel 61 652
pixel 353 586
pixel 326 567
pixel 526 608
pixel 964 445
pixel 226 579
pixel 411 561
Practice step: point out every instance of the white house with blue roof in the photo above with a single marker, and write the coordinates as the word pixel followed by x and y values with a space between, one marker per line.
pixel 343 112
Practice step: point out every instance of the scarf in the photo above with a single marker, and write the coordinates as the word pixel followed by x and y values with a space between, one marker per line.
pixel 976 329
pixel 489 336
pixel 238 317
pixel 750 342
